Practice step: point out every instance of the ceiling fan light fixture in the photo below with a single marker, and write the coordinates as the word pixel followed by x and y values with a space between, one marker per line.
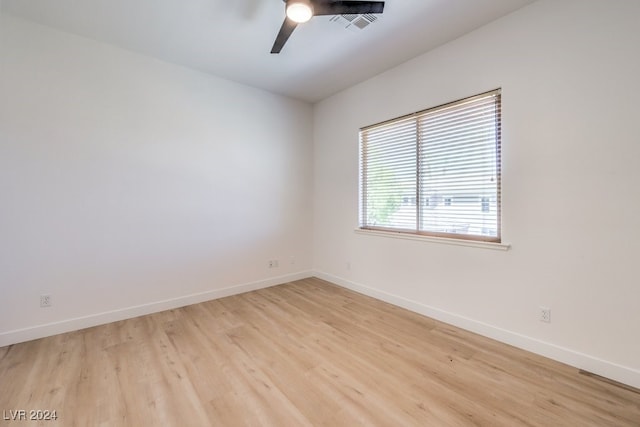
pixel 299 11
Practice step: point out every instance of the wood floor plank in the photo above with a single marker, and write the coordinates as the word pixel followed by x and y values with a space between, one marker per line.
pixel 307 353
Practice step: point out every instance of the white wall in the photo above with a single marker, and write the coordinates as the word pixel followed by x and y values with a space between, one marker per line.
pixel 129 185
pixel 570 74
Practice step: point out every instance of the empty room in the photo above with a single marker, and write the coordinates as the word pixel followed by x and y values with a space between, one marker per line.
pixel 319 212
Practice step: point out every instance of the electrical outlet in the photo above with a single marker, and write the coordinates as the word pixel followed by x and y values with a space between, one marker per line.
pixel 45 300
pixel 273 263
pixel 545 314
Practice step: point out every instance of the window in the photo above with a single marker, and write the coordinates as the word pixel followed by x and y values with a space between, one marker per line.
pixel 435 172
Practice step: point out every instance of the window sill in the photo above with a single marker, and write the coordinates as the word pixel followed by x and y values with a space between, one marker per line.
pixel 441 240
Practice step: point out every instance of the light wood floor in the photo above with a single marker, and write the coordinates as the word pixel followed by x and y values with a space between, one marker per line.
pixel 303 353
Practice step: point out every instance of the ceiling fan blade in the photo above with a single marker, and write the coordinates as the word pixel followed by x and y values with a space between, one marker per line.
pixel 347 7
pixel 285 31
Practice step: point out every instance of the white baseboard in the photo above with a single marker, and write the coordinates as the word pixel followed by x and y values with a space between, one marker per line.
pixel 622 374
pixel 74 324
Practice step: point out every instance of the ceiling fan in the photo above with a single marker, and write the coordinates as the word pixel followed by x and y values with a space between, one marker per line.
pixel 300 11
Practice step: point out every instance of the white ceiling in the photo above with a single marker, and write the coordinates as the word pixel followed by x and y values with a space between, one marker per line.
pixel 233 38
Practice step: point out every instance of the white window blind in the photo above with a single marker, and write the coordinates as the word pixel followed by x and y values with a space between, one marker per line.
pixel 435 172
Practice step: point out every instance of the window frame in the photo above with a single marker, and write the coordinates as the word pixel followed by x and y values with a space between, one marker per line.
pixel 421 233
